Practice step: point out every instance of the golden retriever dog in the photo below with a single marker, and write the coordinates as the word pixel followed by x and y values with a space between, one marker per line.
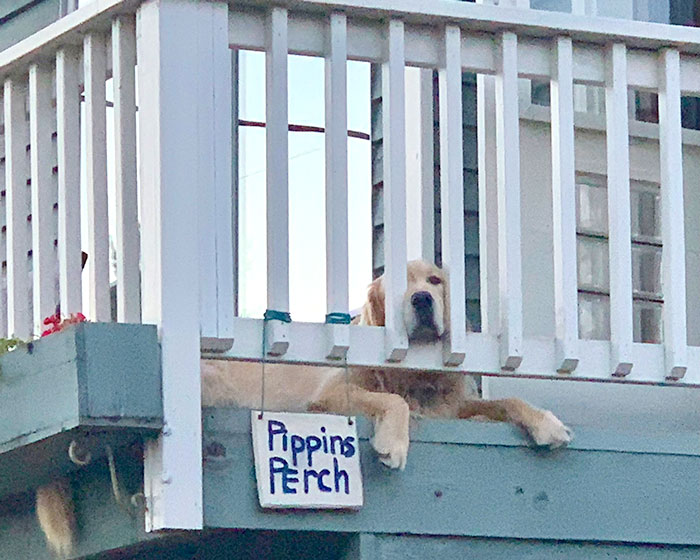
pixel 386 396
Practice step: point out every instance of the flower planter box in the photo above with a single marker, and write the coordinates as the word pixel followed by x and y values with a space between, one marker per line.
pixel 95 383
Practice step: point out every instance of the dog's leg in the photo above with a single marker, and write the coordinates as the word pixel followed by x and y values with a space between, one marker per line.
pixel 56 514
pixel 389 411
pixel 541 425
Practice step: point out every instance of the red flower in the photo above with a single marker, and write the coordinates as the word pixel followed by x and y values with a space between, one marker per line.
pixel 57 325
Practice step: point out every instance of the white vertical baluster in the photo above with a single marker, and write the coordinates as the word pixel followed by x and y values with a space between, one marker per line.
pixel 168 58
pixel 508 170
pixel 394 128
pixel 17 201
pixel 43 255
pixel 223 147
pixel 420 164
pixel 215 210
pixel 564 207
pixel 488 204
pixel 452 192
pixel 95 66
pixel 127 230
pixel 3 238
pixel 68 148
pixel 3 234
pixel 672 215
pixel 277 179
pixel 337 297
pixel 620 248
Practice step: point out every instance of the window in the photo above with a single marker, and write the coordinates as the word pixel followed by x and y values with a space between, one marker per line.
pixel 593 269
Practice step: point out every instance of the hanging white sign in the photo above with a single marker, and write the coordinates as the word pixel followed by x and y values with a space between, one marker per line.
pixel 306 460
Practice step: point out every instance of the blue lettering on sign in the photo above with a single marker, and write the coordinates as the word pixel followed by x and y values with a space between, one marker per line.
pixel 274 428
pixel 318 475
pixel 288 450
pixel 340 474
pixel 280 466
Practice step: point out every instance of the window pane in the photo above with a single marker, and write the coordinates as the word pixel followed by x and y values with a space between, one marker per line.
pixel 593 271
pixel 593 317
pixel 647 322
pixel 646 215
pixel 592 207
pixel 646 269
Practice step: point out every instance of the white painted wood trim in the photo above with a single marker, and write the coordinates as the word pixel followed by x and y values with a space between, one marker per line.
pixel 420 164
pixel 214 142
pixel 95 71
pixel 223 167
pixel 66 31
pixel 308 345
pixel 394 129
pixel 672 215
pixel 564 205
pixel 3 239
pixel 488 204
pixel 277 169
pixel 337 267
pixel 18 207
pixel 509 230
pixel 619 244
pixel 127 242
pixel 68 151
pixel 168 99
pixel 41 120
pixel 452 192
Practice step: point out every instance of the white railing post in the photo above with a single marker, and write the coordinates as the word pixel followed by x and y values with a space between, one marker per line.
pixel 215 210
pixel 564 207
pixel 672 215
pixel 420 164
pixel 620 246
pixel 95 71
pixel 127 230
pixel 3 238
pixel 277 166
pixel 488 204
pixel 68 151
pixel 509 229
pixel 337 296
pixel 394 129
pixel 452 192
pixel 18 208
pixel 43 256
pixel 170 45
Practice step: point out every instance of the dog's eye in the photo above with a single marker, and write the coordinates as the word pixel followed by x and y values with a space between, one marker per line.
pixel 434 280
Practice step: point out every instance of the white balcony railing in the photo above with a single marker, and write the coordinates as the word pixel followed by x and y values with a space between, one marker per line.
pixel 169 201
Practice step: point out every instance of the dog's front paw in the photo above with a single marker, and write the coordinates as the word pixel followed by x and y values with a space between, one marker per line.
pixel 391 436
pixel 549 431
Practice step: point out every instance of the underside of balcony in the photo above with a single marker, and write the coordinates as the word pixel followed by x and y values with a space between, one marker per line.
pixel 470 488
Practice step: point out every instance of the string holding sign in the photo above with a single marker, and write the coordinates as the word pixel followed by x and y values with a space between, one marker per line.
pixel 338 318
pixel 270 315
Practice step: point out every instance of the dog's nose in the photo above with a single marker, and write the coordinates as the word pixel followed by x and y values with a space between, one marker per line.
pixel 422 300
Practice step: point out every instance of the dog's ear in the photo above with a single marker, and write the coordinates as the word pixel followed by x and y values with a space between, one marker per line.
pixel 373 309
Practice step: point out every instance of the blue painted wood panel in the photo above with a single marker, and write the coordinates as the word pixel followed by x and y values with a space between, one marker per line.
pixel 644 492
pixel 406 547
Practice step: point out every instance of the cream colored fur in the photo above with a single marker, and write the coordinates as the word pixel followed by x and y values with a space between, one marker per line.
pixel 54 509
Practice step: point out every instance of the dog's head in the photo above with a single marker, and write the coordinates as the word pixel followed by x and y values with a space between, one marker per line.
pixel 424 303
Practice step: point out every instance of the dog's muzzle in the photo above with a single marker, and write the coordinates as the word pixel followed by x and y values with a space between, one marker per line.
pixel 423 307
